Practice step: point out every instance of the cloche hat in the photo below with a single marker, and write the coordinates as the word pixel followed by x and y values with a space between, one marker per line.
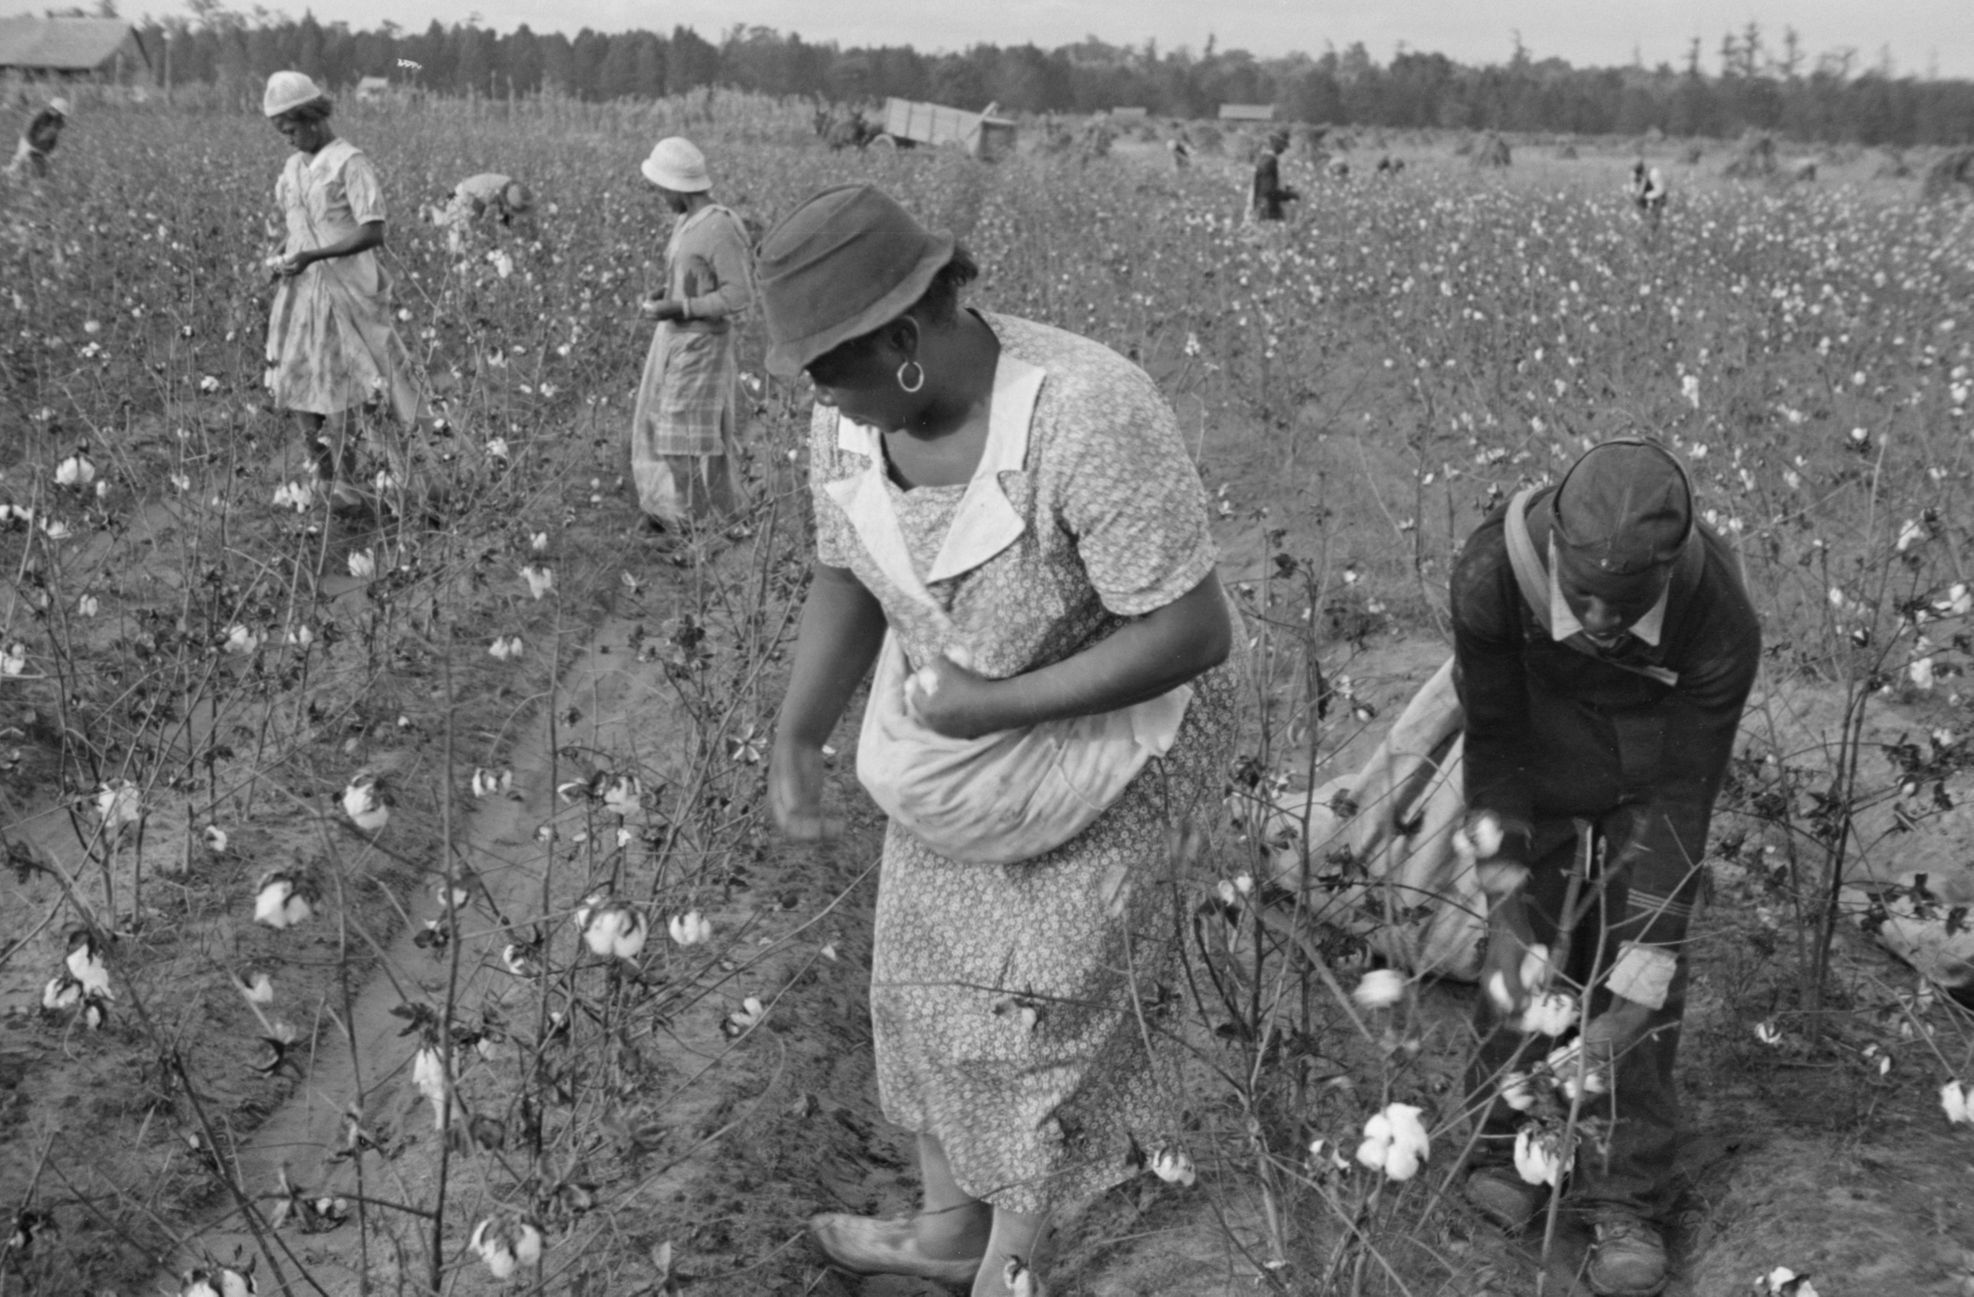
pixel 845 262
pixel 286 90
pixel 1623 513
pixel 677 164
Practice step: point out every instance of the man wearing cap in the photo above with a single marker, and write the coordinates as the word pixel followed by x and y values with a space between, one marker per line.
pixel 43 133
pixel 1604 646
pixel 685 426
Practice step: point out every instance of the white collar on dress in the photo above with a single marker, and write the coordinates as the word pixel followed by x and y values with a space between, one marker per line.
pixel 984 524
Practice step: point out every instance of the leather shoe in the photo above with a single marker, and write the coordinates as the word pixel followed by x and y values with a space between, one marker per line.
pixel 1629 1257
pixel 1503 1197
pixel 864 1245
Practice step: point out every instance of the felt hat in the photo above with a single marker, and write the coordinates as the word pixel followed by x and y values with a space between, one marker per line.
pixel 59 106
pixel 677 164
pixel 517 197
pixel 847 261
pixel 1621 516
pixel 288 90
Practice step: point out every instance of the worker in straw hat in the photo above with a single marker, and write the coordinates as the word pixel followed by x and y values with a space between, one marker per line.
pixel 1604 646
pixel 38 140
pixel 685 426
pixel 331 347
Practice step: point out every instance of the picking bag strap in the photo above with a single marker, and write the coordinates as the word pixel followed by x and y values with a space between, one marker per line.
pixel 1530 571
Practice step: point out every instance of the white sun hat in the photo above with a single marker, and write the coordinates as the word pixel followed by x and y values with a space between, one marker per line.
pixel 59 106
pixel 677 164
pixel 287 90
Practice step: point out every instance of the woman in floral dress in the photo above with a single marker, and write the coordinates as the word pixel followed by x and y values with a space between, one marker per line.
pixel 1051 532
pixel 330 345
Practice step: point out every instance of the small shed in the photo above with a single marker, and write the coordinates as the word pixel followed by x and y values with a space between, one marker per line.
pixel 371 89
pixel 1127 114
pixel 72 48
pixel 1247 112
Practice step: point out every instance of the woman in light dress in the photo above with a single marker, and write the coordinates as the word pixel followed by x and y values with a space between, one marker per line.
pixel 331 349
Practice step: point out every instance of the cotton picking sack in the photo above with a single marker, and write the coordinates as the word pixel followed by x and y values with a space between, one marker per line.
pixel 1009 796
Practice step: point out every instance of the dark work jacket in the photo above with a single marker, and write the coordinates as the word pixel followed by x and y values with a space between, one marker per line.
pixel 1553 732
pixel 1269 191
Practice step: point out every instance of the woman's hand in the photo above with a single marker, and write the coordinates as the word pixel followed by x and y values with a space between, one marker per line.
pixel 659 307
pixel 294 264
pixel 948 697
pixel 795 786
pixel 1513 959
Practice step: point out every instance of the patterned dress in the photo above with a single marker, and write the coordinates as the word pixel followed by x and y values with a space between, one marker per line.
pixel 1002 996
pixel 330 344
pixel 686 422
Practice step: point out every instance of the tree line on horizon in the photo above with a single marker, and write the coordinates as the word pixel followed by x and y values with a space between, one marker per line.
pixel 1829 98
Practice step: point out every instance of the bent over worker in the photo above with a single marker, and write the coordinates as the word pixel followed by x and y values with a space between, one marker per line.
pixel 1605 646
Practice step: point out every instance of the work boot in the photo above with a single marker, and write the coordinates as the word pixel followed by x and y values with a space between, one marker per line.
pixel 1629 1257
pixel 1503 1197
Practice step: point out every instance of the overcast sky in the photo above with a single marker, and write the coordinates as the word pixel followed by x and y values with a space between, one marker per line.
pixel 1922 35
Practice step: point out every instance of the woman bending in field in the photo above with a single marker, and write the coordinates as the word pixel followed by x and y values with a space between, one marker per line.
pixel 1009 526
pixel 330 346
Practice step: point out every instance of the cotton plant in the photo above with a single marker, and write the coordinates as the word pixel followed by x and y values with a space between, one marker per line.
pixel 506 1244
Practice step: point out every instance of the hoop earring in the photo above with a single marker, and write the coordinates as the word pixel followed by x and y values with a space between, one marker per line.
pixel 903 386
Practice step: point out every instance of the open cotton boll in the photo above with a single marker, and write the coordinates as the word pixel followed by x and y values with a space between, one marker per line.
pixel 1395 1142
pixel 1174 1166
pixel 1539 1156
pixel 1549 1014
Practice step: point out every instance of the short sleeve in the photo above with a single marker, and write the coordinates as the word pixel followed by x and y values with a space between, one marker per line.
pixel 362 191
pixel 835 538
pixel 1129 493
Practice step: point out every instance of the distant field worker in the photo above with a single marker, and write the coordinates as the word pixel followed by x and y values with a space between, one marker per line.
pixel 491 194
pixel 1648 190
pixel 43 133
pixel 1270 195
pixel 330 345
pixel 685 428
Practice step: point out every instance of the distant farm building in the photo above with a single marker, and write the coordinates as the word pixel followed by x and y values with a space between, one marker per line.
pixel 370 89
pixel 72 49
pixel 1247 112
pixel 1127 114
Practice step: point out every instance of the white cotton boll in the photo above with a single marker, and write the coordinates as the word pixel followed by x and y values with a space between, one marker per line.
pixel 85 965
pixel 1175 1166
pixel 623 795
pixel 118 803
pixel 76 470
pixel 367 803
pixel 615 930
pixel 240 640
pixel 363 565
pixel 280 901
pixel 1380 989
pixel 1485 832
pixel 1957 1102
pixel 61 993
pixel 1565 1063
pixel 1518 1091
pixel 88 606
pixel 690 928
pixel 540 579
pixel 538 542
pixel 216 839
pixel 259 989
pixel 1539 1157
pixel 13 659
pixel 1549 1014
pixel 1395 1142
